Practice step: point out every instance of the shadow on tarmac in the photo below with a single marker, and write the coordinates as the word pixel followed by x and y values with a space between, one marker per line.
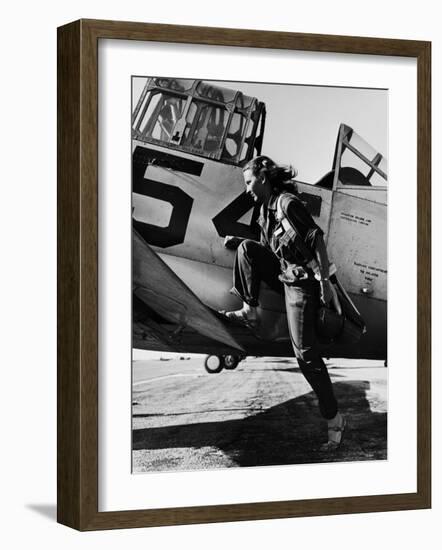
pixel 289 433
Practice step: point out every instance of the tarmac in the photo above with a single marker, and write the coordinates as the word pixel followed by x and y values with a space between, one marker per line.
pixel 260 414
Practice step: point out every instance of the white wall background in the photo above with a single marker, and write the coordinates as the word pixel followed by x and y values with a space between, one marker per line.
pixel 28 275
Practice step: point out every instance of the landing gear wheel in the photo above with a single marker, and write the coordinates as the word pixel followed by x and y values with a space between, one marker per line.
pixel 231 361
pixel 213 364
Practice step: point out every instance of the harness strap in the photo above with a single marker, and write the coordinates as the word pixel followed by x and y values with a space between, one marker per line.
pixel 291 235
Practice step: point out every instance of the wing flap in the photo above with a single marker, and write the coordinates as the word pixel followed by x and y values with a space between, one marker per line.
pixel 165 293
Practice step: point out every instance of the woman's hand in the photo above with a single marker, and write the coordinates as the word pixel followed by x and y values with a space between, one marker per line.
pixel 231 242
pixel 326 292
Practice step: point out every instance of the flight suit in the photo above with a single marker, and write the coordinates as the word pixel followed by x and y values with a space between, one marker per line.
pixel 266 261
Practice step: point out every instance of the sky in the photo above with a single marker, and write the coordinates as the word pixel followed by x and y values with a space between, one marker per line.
pixel 302 121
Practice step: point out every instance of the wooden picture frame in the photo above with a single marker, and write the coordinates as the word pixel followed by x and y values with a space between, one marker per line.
pixel 78 274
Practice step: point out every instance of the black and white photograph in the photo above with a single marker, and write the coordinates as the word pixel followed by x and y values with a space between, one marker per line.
pixel 259 274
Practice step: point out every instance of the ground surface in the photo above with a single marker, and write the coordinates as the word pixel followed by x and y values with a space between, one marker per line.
pixel 262 413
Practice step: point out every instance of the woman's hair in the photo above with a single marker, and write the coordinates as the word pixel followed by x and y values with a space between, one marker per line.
pixel 278 176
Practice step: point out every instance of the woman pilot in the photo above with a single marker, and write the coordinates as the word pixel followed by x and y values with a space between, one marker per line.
pixel 286 259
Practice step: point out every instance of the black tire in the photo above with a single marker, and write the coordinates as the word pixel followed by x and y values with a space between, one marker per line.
pixel 213 364
pixel 231 361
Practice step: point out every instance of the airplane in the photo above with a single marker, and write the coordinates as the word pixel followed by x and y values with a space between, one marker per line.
pixel 190 140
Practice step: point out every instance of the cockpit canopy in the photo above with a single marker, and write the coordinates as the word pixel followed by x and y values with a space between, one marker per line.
pixel 199 118
pixel 356 163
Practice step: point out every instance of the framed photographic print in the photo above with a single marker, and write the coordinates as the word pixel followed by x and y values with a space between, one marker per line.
pixel 244 275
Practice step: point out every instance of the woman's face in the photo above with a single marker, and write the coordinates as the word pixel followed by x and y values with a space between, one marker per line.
pixel 254 185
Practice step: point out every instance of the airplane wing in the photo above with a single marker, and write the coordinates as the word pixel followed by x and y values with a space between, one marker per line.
pixel 161 300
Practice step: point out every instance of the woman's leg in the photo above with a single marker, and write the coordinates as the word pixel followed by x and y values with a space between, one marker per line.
pixel 302 302
pixel 254 263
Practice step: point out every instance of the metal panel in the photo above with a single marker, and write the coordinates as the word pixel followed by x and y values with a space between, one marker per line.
pixel 357 243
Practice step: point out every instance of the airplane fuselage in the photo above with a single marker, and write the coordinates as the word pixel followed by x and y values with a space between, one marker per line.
pixel 184 213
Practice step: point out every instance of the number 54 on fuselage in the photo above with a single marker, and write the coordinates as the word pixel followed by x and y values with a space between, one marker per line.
pixel 190 141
